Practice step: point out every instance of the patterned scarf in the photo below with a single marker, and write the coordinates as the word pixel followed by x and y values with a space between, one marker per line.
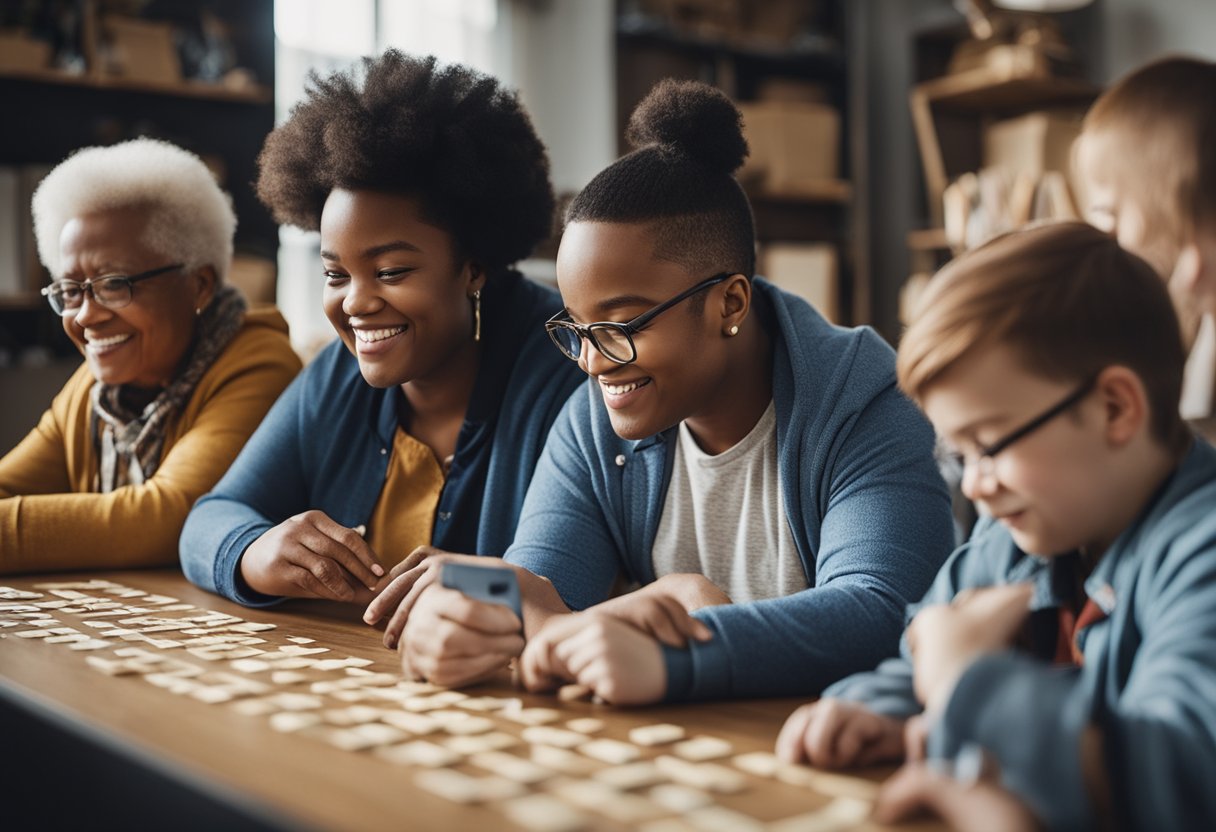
pixel 129 441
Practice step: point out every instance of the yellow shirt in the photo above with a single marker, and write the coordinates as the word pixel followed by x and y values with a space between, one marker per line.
pixel 50 519
pixel 404 516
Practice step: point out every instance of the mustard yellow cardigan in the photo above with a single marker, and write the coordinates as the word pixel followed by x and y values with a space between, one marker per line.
pixel 51 519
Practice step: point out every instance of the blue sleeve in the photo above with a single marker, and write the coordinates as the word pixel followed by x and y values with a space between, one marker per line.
pixel 1158 734
pixel 563 531
pixel 888 688
pixel 265 485
pixel 885 690
pixel 885 531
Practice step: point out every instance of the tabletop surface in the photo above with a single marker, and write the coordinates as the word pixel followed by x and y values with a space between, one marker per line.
pixel 311 720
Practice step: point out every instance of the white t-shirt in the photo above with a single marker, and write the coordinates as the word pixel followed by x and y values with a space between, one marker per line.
pixel 724 517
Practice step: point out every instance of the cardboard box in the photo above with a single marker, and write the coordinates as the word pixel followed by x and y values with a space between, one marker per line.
pixel 1039 143
pixel 1034 143
pixel 792 144
pixel 791 89
pixel 141 50
pixel 809 270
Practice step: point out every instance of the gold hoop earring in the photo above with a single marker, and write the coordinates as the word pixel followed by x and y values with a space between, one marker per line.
pixel 477 315
pixel 733 331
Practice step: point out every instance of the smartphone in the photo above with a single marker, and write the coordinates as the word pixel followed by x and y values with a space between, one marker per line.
pixel 491 584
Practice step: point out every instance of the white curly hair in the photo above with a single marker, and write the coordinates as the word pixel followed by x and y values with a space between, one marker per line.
pixel 191 219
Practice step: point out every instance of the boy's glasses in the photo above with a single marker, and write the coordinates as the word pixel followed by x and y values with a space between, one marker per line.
pixel 982 459
pixel 112 291
pixel 615 340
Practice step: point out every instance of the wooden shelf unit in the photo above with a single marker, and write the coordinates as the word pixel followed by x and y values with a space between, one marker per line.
pixel 948 113
pixel 258 94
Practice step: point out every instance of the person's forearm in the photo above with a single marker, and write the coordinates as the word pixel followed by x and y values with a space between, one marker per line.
pixel 540 600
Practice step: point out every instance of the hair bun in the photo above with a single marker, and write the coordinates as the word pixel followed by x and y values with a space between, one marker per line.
pixel 690 119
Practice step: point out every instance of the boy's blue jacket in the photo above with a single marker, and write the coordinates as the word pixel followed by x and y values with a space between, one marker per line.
pixel 1147 684
pixel 327 442
pixel 866 505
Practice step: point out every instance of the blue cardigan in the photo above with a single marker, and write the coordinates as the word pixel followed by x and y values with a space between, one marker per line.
pixel 868 510
pixel 1148 682
pixel 326 445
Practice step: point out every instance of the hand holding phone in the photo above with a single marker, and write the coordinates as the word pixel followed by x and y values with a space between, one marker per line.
pixel 491 584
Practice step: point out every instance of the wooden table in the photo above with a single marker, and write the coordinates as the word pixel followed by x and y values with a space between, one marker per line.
pixel 81 745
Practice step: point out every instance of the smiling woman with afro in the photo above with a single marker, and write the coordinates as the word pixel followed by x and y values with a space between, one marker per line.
pixel 422 423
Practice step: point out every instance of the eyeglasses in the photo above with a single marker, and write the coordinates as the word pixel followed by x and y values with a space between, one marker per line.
pixel 615 340
pixel 983 459
pixel 112 291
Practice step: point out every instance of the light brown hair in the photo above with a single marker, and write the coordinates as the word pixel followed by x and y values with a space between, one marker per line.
pixel 1155 131
pixel 1068 300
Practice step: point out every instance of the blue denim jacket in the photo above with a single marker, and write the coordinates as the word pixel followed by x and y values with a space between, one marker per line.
pixel 327 441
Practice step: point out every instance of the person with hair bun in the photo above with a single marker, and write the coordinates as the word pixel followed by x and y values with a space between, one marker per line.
pixel 751 466
pixel 137 238
pixel 423 422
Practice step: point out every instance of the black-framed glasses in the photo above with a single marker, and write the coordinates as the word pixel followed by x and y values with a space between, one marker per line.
pixel 112 291
pixel 615 340
pixel 983 458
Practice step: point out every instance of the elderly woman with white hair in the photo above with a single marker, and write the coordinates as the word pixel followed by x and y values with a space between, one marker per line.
pixel 177 373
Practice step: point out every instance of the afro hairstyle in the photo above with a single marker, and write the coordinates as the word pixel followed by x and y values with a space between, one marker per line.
pixel 447 135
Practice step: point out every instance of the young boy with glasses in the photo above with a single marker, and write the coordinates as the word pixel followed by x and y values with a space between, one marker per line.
pixel 1073 638
pixel 734 454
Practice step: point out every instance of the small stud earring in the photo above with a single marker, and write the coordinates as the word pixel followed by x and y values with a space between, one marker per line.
pixel 198 312
pixel 477 315
pixel 733 331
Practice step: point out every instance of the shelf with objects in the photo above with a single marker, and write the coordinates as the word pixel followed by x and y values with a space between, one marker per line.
pixel 787 67
pixel 995 120
pixel 76 73
pixel 87 72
